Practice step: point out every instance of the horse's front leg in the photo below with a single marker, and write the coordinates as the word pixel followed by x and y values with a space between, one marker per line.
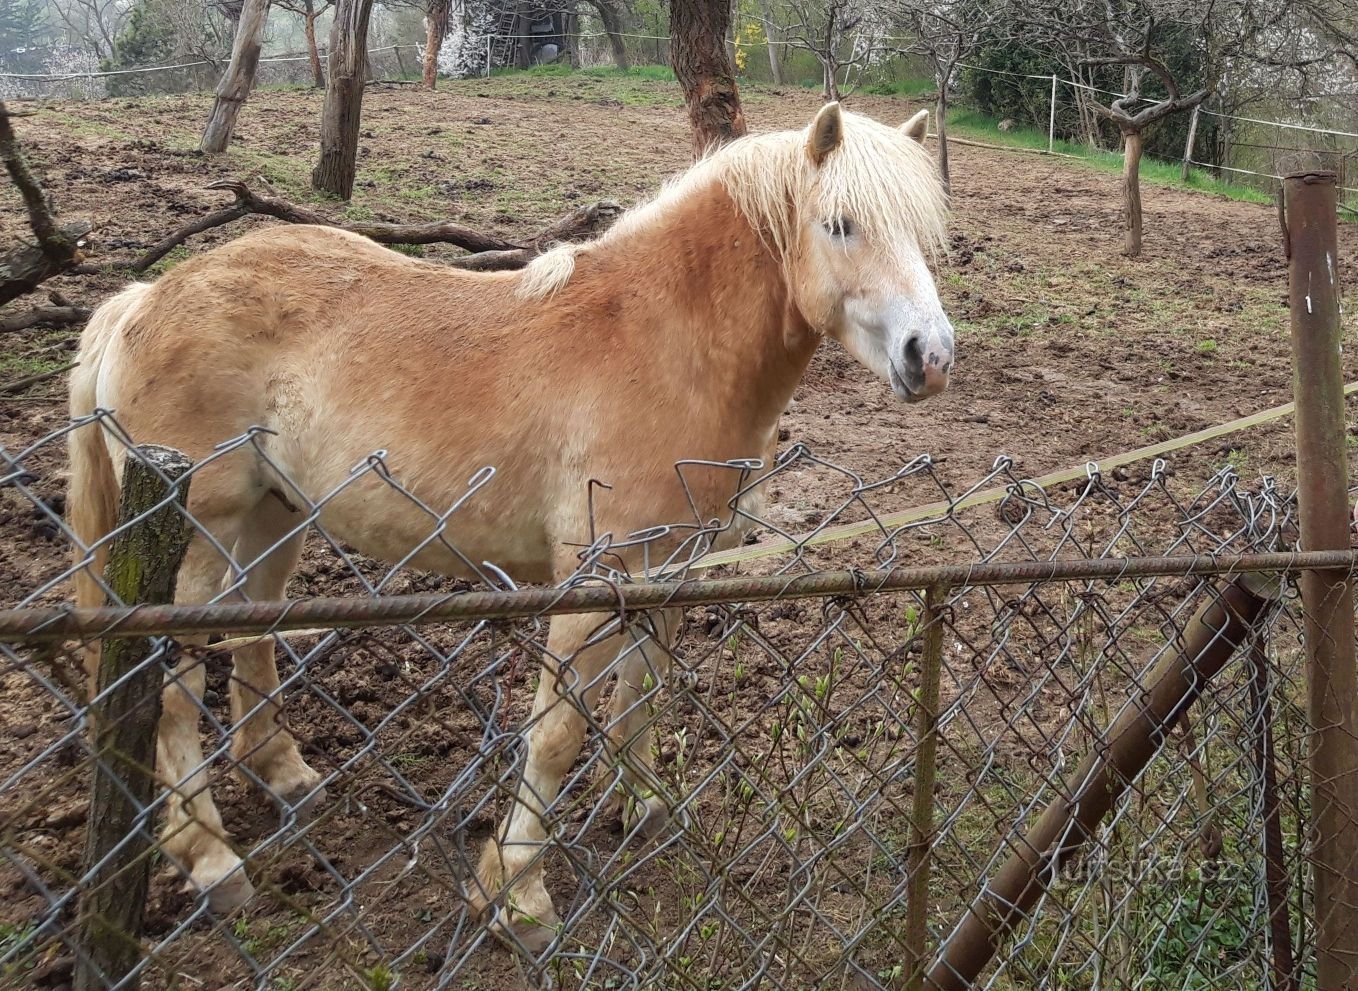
pixel 509 881
pixel 630 728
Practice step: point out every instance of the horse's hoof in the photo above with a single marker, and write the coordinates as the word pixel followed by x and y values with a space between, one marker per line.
pixel 528 935
pixel 300 803
pixel 230 893
pixel 654 819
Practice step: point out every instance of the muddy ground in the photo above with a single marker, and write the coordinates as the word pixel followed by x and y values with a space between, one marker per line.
pixel 1067 352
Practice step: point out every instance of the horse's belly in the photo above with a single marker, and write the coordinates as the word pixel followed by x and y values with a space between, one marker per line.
pixel 393 527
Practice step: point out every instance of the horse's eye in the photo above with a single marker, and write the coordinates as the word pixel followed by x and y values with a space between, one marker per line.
pixel 840 226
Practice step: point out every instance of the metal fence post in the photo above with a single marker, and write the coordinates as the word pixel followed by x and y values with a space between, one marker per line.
pixel 1051 120
pixel 920 856
pixel 1327 595
pixel 1188 145
pixel 143 564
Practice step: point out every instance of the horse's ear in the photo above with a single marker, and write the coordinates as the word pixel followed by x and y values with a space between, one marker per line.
pixel 917 126
pixel 827 131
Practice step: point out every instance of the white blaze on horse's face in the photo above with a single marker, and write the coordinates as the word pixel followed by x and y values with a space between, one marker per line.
pixel 873 292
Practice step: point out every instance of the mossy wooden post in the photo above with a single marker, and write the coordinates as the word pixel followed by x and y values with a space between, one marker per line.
pixel 143 563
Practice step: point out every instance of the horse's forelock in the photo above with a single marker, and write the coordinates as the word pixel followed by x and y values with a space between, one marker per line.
pixel 878 176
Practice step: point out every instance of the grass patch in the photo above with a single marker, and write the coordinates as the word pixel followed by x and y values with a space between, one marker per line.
pixel 42 353
pixel 176 255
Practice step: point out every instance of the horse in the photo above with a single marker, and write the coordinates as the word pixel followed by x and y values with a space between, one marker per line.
pixel 679 334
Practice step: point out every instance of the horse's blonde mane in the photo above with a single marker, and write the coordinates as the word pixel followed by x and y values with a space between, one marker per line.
pixel 879 177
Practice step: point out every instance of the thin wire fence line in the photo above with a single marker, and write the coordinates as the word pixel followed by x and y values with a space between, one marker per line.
pixel 38 77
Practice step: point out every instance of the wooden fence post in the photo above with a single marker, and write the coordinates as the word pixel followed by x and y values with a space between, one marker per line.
pixel 143 564
pixel 1326 596
pixel 1188 145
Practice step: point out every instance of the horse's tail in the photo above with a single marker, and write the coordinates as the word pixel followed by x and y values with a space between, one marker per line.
pixel 92 492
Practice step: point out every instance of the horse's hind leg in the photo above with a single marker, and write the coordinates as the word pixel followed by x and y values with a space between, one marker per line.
pixel 193 833
pixel 262 743
pixel 631 727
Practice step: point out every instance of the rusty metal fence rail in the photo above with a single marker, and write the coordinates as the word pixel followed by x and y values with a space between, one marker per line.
pixel 872 764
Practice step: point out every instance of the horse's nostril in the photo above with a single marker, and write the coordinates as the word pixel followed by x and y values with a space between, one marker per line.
pixel 914 358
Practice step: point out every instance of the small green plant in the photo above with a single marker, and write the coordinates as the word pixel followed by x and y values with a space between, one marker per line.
pixel 380 977
pixel 1207 346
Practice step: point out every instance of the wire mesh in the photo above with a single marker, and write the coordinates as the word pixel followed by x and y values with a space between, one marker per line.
pixel 742 811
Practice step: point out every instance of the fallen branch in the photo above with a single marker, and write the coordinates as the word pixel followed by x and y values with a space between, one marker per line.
pixel 58 247
pixel 579 225
pixel 19 385
pixel 51 316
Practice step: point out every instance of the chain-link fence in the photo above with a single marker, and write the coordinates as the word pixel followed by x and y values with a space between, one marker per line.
pixel 846 745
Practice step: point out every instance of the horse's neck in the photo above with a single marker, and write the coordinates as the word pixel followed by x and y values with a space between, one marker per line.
pixel 717 287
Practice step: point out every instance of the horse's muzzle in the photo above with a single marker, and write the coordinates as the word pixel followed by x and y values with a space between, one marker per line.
pixel 925 364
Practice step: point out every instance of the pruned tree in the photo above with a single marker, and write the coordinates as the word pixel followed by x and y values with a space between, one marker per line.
pixel 436 19
pixel 704 70
pixel 947 32
pixel 310 11
pixel 1173 54
pixel 843 35
pixel 348 64
pixel 239 77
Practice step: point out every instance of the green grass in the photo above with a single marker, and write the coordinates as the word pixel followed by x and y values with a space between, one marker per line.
pixel 42 353
pixel 972 124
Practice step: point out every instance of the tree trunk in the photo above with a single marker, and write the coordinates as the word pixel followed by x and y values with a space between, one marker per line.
pixel 317 76
pixel 698 54
pixel 612 20
pixel 348 62
pixel 573 34
pixel 830 86
pixel 771 35
pixel 238 78
pixel 523 44
pixel 1131 191
pixel 437 18
pixel 941 127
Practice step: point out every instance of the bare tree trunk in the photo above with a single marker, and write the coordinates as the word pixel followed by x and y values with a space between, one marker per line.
pixel 830 89
pixel 437 18
pixel 1131 191
pixel 348 62
pixel 522 42
pixel 705 74
pixel 317 76
pixel 239 76
pixel 573 33
pixel 613 27
pixel 771 35
pixel 829 63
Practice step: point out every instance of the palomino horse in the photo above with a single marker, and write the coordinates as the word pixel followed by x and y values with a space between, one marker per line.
pixel 680 334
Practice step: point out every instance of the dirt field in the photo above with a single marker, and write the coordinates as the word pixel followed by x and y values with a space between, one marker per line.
pixel 1067 352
